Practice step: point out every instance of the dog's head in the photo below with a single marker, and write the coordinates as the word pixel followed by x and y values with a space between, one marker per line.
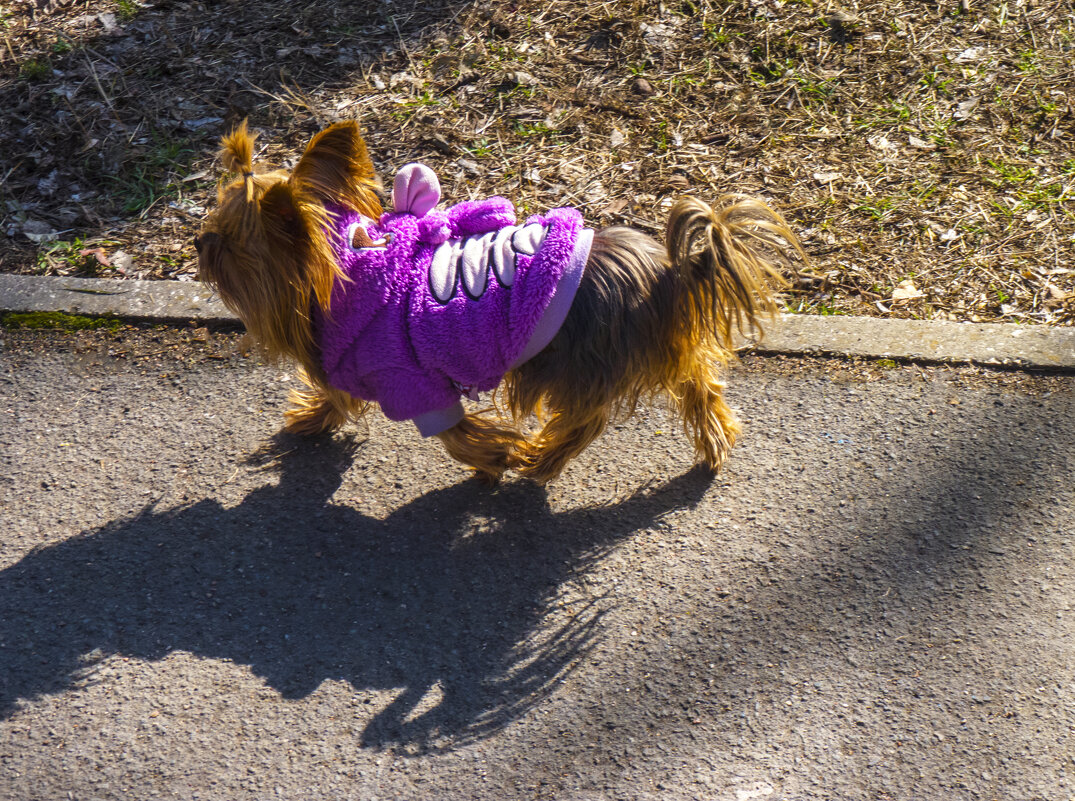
pixel 265 247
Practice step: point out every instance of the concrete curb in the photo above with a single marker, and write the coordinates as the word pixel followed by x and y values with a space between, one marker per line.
pixel 1029 346
pixel 1033 346
pixel 143 301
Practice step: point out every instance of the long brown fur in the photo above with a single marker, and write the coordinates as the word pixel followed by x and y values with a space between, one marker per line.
pixel 265 250
pixel 651 320
pixel 488 446
pixel 648 319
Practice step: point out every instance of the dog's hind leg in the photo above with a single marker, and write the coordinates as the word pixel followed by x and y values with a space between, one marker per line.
pixel 707 420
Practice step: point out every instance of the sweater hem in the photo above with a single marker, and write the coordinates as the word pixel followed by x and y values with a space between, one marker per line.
pixel 560 304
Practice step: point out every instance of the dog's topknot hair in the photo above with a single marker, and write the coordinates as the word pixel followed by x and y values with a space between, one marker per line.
pixel 237 150
pixel 237 154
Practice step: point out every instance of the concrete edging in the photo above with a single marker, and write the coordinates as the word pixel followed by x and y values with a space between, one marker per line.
pixel 1033 346
pixel 1030 346
pixel 145 301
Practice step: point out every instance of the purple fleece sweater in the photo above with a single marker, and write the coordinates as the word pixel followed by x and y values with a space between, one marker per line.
pixel 441 304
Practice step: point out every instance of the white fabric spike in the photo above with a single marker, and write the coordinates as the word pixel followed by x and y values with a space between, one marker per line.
pixel 504 256
pixel 476 264
pixel 528 239
pixel 443 272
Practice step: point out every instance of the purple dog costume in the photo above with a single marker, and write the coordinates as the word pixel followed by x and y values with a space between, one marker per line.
pixel 441 304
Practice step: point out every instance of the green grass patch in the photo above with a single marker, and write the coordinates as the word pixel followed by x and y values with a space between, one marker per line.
pixel 58 321
pixel 1028 62
pixel 148 176
pixel 821 308
pixel 942 84
pixel 35 69
pixel 877 208
pixel 127 10
pixel 480 149
pixel 424 100
pixel 534 129
pixel 1009 173
pixel 716 34
pixel 501 52
pixel 67 255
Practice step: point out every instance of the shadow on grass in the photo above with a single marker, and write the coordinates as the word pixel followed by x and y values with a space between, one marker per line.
pixel 108 116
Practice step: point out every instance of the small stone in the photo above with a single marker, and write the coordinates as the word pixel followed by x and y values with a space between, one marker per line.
pixel 969 56
pixel 679 182
pixel 48 185
pixel 108 22
pixel 122 261
pixel 470 166
pixel 965 109
pixel 525 79
pixel 906 290
pixel 39 232
pixel 656 36
pixel 404 79
pixel 642 87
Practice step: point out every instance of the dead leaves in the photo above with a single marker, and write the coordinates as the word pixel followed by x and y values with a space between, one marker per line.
pixel 900 140
pixel 906 290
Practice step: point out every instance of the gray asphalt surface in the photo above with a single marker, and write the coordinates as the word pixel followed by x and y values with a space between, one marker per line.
pixel 874 600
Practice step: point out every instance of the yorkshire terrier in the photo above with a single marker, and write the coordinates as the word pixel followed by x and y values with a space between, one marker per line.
pixel 417 307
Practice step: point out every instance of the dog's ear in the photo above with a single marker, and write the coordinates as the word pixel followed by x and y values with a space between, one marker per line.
pixel 296 243
pixel 336 167
pixel 282 217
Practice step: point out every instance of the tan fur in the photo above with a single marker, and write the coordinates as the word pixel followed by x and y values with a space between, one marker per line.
pixel 488 446
pixel 265 251
pixel 648 319
pixel 318 409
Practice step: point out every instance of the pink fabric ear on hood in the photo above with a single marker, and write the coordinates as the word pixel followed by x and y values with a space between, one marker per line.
pixel 416 190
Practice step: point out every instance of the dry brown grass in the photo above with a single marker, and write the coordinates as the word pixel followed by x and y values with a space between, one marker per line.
pixel 916 148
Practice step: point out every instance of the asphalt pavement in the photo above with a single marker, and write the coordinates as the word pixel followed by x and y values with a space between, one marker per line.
pixel 873 601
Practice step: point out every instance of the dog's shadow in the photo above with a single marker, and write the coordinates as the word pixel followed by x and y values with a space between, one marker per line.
pixel 451 600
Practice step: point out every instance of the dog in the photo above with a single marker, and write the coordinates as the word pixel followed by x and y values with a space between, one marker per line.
pixel 416 308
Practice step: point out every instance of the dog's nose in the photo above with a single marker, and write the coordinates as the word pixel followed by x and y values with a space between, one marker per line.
pixel 198 243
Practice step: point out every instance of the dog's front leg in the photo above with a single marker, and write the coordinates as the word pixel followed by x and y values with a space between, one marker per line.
pixel 485 445
pixel 317 409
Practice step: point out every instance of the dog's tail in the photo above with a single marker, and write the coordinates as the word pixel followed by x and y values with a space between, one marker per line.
pixel 728 257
